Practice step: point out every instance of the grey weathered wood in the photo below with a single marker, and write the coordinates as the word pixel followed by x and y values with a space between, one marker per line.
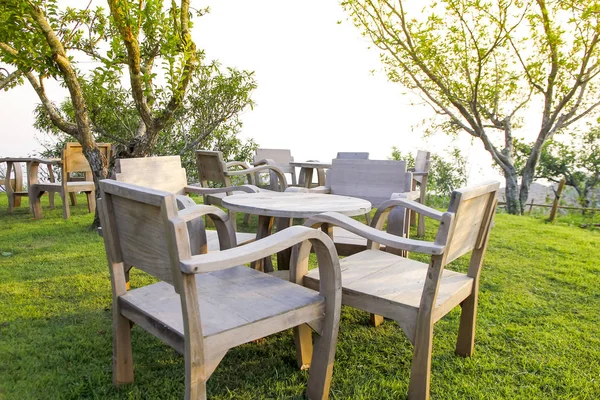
pixel 214 303
pixel 416 294
pixel 281 158
pixel 295 205
pixel 166 173
pixel 352 155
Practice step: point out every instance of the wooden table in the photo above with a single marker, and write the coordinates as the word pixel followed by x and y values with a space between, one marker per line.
pixel 14 187
pixel 285 207
pixel 306 171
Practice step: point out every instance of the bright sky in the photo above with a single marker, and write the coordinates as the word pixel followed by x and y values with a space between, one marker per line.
pixel 316 94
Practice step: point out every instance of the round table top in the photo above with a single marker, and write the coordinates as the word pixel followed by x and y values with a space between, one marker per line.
pixel 295 205
pixel 310 164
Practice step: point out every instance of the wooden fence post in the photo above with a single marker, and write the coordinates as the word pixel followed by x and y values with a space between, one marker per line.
pixel 561 186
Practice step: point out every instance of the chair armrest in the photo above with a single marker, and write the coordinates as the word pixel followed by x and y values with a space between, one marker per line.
pixel 413 195
pixel 318 189
pixel 422 173
pixel 265 161
pixel 411 205
pixel 225 230
pixel 253 251
pixel 203 190
pixel 375 235
pixel 232 164
pixel 184 202
pixel 270 168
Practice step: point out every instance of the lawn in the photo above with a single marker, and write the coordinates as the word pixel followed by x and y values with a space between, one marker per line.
pixel 537 328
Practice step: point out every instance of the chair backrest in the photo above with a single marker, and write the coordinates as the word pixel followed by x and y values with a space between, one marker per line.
pixel 211 167
pixel 282 158
pixel 352 155
pixel 135 231
pixel 422 163
pixel 161 173
pixel 73 159
pixel 473 209
pixel 372 180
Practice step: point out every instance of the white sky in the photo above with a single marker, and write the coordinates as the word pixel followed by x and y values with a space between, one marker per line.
pixel 316 94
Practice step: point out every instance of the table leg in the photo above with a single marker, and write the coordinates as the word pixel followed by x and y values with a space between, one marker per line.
pixel 34 195
pixel 283 257
pixel 265 225
pixel 306 175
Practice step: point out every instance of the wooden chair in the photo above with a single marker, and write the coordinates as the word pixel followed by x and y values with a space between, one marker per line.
pixel 420 175
pixel 143 228
pixel 372 180
pixel 73 161
pixel 214 171
pixel 281 158
pixel 417 294
pixel 166 173
pixel 352 155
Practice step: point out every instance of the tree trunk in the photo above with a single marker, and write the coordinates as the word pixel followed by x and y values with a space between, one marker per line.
pixel 99 166
pixel 511 191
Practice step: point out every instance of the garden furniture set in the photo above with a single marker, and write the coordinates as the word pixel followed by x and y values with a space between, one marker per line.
pixel 218 288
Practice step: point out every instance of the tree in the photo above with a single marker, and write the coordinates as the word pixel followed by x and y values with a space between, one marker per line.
pixel 445 173
pixel 577 161
pixel 38 39
pixel 484 66
pixel 208 117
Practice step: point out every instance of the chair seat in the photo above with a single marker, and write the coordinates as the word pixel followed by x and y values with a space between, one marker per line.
pixel 230 300
pixel 213 239
pixel 390 285
pixel 81 186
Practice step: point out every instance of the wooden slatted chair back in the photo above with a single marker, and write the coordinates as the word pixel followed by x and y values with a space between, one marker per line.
pixel 473 210
pixel 161 173
pixel 134 224
pixel 422 163
pixel 346 155
pixel 372 180
pixel 211 168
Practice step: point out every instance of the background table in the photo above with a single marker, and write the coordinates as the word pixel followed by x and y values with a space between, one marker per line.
pixel 285 207
pixel 14 187
pixel 306 172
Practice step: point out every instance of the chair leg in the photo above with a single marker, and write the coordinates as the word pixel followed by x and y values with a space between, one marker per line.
pixel 36 204
pixel 246 219
pixel 195 389
pixel 66 209
pixel 304 345
pixel 465 344
pixel 418 388
pixel 73 198
pixel 122 353
pixel 321 369
pixel 91 200
pixel 421 226
pixel 376 320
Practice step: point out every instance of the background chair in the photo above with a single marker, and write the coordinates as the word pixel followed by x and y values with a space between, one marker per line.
pixel 143 227
pixel 215 177
pixel 280 158
pixel 420 176
pixel 372 180
pixel 73 161
pixel 417 294
pixel 165 173
pixel 352 155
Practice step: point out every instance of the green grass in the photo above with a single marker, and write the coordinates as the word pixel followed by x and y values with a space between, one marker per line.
pixel 537 328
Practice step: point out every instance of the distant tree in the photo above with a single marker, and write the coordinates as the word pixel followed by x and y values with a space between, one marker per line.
pixel 445 173
pixel 577 161
pixel 484 66
pixel 207 119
